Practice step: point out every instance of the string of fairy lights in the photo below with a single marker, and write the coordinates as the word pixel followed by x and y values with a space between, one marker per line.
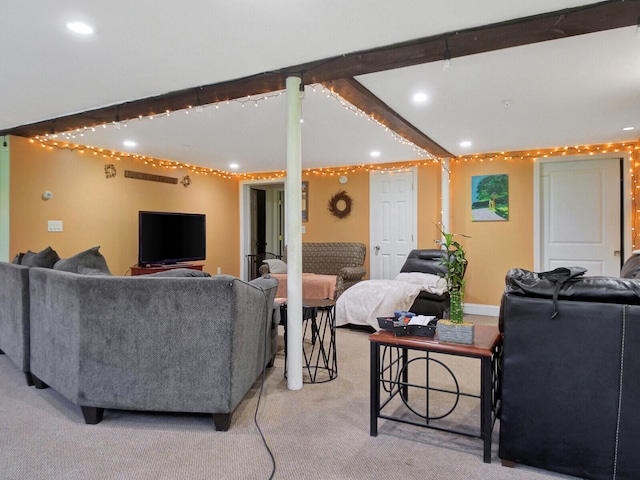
pixel 72 140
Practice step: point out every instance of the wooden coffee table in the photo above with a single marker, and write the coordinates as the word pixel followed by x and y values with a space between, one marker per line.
pixel 392 373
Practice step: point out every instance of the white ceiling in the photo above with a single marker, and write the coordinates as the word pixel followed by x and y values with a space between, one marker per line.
pixel 574 91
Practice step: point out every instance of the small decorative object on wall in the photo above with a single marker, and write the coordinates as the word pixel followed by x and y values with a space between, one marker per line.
pixel 305 201
pixel 110 170
pixel 186 181
pixel 490 198
pixel 150 177
pixel 340 204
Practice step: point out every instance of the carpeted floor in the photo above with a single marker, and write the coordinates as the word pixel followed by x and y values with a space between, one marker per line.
pixel 318 432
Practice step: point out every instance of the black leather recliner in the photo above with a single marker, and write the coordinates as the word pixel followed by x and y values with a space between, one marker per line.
pixel 571 373
pixel 427 261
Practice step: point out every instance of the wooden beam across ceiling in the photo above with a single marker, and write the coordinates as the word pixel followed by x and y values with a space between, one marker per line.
pixel 339 71
pixel 357 95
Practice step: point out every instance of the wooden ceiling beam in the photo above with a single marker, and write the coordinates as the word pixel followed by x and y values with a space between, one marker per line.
pixel 359 96
pixel 601 16
pixel 556 25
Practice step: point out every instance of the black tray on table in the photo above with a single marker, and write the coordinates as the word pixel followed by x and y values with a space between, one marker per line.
pixel 402 330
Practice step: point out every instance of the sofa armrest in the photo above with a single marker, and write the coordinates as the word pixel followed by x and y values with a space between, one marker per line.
pixel 352 273
pixel 347 277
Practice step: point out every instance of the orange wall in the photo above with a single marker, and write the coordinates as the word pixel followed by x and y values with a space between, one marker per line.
pixel 325 227
pixel 493 247
pixel 100 211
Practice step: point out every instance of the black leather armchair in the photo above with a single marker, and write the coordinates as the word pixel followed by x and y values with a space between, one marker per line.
pixel 427 261
pixel 571 374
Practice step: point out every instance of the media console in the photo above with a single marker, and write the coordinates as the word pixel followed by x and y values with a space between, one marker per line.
pixel 139 270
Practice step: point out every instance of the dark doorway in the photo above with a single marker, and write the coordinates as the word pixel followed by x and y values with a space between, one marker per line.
pixel 259 212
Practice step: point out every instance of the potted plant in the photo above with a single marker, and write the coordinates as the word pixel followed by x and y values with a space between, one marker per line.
pixel 454 329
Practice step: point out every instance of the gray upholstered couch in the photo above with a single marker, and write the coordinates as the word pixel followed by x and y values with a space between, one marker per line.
pixel 345 260
pixel 167 344
pixel 14 315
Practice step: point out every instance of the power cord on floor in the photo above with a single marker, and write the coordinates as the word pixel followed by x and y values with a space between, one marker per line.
pixel 264 375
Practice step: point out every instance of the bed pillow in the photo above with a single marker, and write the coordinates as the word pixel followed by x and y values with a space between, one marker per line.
pixel 276 265
pixel 427 281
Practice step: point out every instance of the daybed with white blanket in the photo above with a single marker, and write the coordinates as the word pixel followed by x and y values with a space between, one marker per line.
pixel 419 288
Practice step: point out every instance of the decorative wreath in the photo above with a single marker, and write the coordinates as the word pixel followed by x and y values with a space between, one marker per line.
pixel 109 170
pixel 186 181
pixel 336 208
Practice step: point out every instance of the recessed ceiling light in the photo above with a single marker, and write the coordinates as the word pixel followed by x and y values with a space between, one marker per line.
pixel 233 166
pixel 626 129
pixel 375 153
pixel 420 97
pixel 465 144
pixel 80 27
pixel 129 143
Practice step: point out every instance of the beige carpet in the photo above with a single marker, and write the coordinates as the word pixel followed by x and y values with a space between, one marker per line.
pixel 318 432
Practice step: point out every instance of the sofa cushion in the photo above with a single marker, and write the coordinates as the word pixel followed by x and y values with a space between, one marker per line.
pixel 46 258
pixel 179 272
pixel 90 258
pixel 276 265
pixel 17 260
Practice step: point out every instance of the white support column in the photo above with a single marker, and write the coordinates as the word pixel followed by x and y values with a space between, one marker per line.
pixel 4 199
pixel 445 201
pixel 293 205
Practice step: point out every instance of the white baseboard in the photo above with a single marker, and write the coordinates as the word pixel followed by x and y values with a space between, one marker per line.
pixel 478 309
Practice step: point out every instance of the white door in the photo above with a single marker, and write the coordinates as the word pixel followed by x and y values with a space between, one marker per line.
pixel 393 221
pixel 580 209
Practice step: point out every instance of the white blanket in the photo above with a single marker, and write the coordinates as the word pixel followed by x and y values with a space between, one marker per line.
pixel 364 302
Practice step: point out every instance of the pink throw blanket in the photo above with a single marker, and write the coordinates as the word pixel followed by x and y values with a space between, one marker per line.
pixel 313 285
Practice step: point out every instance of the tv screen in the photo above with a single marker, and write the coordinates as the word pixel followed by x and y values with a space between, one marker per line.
pixel 166 238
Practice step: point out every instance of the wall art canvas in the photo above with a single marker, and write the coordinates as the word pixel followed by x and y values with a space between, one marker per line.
pixel 490 198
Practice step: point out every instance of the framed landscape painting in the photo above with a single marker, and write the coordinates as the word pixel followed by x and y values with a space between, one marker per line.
pixel 490 198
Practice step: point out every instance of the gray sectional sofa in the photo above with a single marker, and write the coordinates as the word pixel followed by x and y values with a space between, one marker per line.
pixel 14 315
pixel 160 342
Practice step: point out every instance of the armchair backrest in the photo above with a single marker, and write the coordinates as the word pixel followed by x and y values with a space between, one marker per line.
pixel 328 258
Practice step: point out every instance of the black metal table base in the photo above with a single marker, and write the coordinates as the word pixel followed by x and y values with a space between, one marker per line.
pixel 319 341
pixel 390 380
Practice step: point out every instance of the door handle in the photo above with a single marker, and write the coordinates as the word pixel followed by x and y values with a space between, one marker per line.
pixel 616 253
pixel 377 248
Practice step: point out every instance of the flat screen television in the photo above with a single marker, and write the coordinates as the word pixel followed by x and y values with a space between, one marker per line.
pixel 167 238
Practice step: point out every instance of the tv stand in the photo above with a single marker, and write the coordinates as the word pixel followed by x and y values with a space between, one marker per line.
pixel 144 270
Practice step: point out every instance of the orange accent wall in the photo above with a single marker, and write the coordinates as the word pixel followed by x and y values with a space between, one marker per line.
pixel 493 247
pixel 325 227
pixel 100 211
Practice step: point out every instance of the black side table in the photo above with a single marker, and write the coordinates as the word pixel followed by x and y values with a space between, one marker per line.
pixel 318 340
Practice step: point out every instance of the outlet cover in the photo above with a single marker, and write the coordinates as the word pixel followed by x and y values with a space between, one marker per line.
pixel 54 225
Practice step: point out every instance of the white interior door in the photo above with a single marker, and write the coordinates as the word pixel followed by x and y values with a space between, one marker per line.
pixel 393 221
pixel 580 215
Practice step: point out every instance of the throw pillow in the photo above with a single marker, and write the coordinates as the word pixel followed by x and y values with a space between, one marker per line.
pixel 179 272
pixel 427 281
pixel 631 267
pixel 46 258
pixel 90 258
pixel 17 260
pixel 276 265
